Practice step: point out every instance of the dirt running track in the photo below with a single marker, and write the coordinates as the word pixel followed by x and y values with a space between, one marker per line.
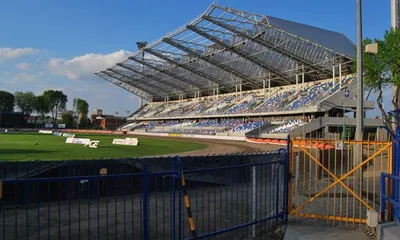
pixel 220 146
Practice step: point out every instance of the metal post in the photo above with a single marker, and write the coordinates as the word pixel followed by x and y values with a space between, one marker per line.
pixel 253 200
pixel 179 177
pixel 269 85
pixel 360 98
pixel 340 72
pixel 297 175
pixel 360 85
pixel 396 168
pixel 395 13
pixel 383 203
pixel 286 181
pixel 394 24
pixel 264 86
pixel 145 203
pixel 173 202
pixel 333 71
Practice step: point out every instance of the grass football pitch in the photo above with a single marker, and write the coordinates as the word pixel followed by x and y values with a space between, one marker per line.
pixel 35 146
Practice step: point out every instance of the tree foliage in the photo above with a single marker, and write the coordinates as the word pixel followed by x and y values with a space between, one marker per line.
pixel 25 101
pixel 81 109
pixel 390 52
pixel 67 119
pixel 382 70
pixel 7 101
pixel 41 107
pixel 375 77
pixel 56 100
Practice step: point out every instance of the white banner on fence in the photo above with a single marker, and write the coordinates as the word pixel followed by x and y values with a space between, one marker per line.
pixel 61 125
pixel 126 141
pixel 48 125
pixel 45 131
pixel 85 141
pixel 68 135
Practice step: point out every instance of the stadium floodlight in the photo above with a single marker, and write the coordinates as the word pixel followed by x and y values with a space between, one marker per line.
pixel 141 44
pixel 371 48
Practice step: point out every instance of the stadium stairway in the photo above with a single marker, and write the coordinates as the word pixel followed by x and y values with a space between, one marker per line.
pixel 321 122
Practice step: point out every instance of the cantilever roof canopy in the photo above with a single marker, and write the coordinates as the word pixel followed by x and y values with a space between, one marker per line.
pixel 225 48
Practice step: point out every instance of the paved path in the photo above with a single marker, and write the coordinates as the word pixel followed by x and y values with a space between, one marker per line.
pixel 297 231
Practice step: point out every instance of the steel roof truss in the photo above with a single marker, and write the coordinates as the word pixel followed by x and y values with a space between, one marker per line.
pixel 165 71
pixel 136 81
pixel 208 59
pixel 129 81
pixel 188 68
pixel 240 53
pixel 125 86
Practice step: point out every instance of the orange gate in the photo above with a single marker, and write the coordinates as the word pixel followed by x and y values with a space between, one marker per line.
pixel 327 183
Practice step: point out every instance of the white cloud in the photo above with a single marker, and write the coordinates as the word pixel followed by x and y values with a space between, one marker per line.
pixel 24 66
pixel 13 53
pixel 24 77
pixel 82 67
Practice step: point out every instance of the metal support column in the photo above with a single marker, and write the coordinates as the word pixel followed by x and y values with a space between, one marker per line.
pixel 334 73
pixel 264 87
pixel 326 130
pixel 269 85
pixel 360 98
pixel 394 24
pixel 340 72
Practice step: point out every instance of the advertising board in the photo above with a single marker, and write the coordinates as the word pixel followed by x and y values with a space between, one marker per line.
pixel 84 141
pixel 126 141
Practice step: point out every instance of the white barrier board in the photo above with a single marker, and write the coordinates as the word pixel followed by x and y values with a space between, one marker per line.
pixel 85 141
pixel 126 141
pixel 45 131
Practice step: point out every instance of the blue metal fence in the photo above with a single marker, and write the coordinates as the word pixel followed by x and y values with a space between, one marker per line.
pixel 391 199
pixel 231 196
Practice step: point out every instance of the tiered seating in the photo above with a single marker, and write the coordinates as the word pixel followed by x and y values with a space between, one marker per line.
pixel 248 126
pixel 243 106
pixel 145 126
pixel 274 103
pixel 287 126
pixel 209 127
pixel 285 98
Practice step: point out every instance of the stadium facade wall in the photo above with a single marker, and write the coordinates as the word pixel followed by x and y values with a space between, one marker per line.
pixel 230 138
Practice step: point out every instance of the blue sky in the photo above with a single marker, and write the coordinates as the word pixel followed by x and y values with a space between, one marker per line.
pixel 50 44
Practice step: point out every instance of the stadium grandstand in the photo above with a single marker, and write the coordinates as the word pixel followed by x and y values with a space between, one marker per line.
pixel 230 72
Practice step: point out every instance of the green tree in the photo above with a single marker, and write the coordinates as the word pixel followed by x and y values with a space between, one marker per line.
pixel 7 101
pixel 390 52
pixel 25 101
pixel 41 107
pixel 67 119
pixel 382 70
pixel 376 77
pixel 56 101
pixel 81 109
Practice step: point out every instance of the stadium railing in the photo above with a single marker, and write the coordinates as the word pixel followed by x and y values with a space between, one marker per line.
pixel 228 195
